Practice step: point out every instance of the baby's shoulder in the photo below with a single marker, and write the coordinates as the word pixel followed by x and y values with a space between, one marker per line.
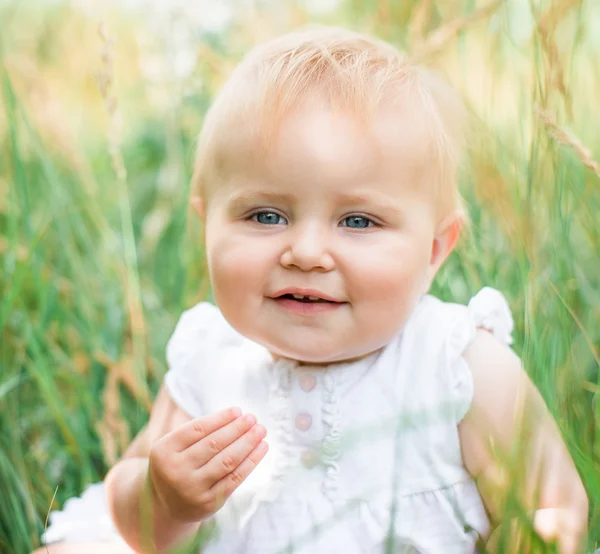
pixel 431 353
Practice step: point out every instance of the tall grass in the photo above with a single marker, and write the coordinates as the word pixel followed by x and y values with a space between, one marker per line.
pixel 98 258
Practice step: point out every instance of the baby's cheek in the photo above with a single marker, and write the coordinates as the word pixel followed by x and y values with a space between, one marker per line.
pixel 232 274
pixel 226 263
pixel 394 279
pixel 389 291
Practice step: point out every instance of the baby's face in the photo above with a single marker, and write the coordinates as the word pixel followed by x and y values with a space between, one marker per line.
pixel 320 250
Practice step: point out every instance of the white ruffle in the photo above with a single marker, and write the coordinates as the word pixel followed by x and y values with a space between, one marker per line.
pixel 198 325
pixel 83 519
pixel 489 309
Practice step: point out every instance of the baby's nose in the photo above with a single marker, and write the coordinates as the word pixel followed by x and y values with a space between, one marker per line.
pixel 309 249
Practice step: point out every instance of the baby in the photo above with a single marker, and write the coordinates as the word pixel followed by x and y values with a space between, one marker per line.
pixel 326 180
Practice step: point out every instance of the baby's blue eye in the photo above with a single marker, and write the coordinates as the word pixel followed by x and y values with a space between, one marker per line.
pixel 356 222
pixel 268 218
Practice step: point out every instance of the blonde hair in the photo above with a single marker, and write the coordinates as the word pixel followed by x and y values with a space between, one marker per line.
pixel 353 72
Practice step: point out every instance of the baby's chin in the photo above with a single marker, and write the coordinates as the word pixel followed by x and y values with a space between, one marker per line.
pixel 318 356
pixel 310 346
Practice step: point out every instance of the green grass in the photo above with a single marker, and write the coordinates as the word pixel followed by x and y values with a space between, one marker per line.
pixel 84 254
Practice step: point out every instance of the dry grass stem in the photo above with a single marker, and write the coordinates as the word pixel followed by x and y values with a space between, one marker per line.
pixel 418 24
pixel 112 428
pixel 439 38
pixel 48 514
pixel 556 13
pixel 105 83
pixel 546 27
pixel 124 372
pixel 568 139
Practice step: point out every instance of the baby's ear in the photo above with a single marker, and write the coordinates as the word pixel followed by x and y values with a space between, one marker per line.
pixel 198 204
pixel 446 237
pixel 444 241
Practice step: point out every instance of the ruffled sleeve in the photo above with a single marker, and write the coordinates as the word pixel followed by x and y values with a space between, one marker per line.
pixel 488 310
pixel 190 355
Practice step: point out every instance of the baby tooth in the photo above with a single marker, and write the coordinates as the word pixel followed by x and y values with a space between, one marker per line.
pixel 298 296
pixel 314 298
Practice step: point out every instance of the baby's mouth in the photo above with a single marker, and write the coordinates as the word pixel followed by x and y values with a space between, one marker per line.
pixel 304 299
pixel 306 303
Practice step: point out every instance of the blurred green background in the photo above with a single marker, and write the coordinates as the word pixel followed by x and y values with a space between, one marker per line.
pixel 100 105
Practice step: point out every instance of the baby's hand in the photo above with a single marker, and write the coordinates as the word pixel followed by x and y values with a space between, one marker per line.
pixel 555 526
pixel 196 467
pixel 562 527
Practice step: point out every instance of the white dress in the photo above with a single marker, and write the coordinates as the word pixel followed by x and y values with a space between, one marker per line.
pixel 364 457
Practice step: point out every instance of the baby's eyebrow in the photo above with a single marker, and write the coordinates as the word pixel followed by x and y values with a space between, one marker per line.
pixel 244 198
pixel 372 200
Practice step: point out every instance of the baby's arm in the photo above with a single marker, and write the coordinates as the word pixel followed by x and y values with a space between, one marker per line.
pixel 508 420
pixel 179 471
pixel 126 481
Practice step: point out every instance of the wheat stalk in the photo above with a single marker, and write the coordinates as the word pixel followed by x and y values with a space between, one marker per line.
pixel 546 26
pixel 555 13
pixel 418 23
pixel 439 38
pixel 105 84
pixel 568 139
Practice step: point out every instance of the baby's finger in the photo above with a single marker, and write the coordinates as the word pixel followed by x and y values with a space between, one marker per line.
pixel 196 429
pixel 231 457
pixel 225 487
pixel 201 452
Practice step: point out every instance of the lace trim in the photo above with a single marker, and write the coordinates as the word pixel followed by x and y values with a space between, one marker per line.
pixel 332 440
pixel 279 400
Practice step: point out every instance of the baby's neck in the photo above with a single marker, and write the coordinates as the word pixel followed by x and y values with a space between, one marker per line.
pixel 276 357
